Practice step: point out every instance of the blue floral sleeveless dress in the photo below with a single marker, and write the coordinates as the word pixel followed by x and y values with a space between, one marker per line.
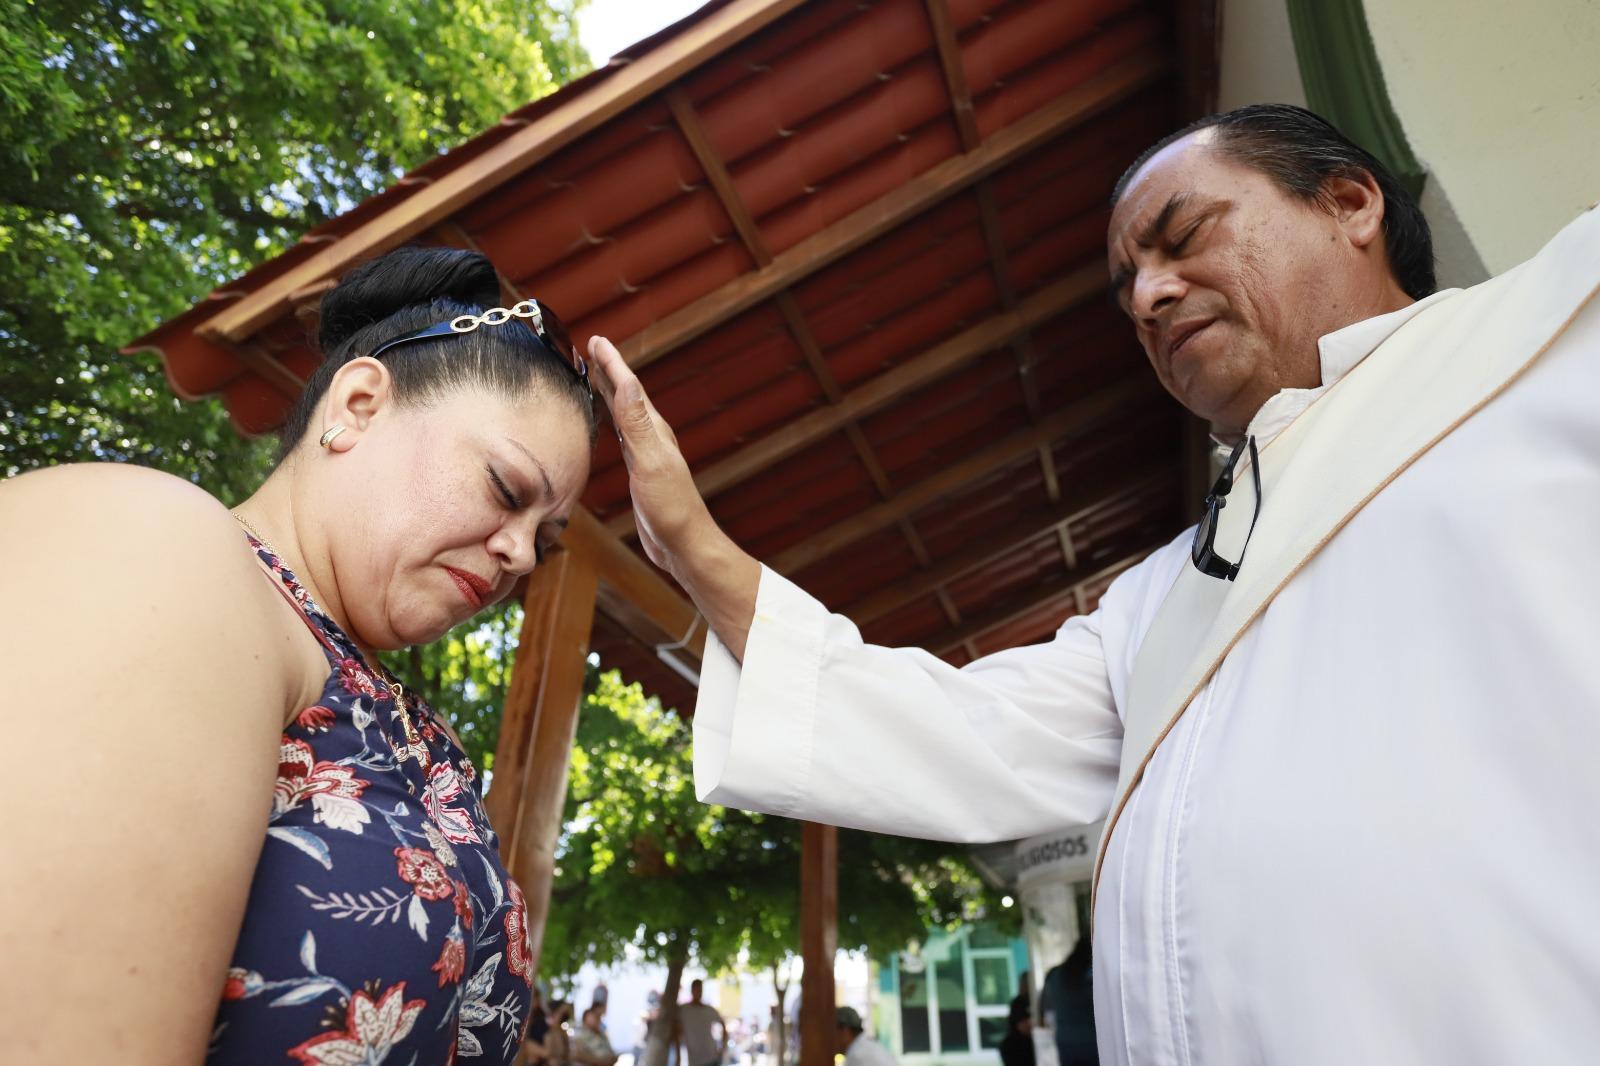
pixel 381 925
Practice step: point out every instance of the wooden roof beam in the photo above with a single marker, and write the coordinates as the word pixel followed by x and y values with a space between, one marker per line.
pixel 1069 582
pixel 633 593
pixel 867 223
pixel 1072 418
pixel 268 369
pixel 1086 500
pixel 716 171
pixel 955 75
pixel 620 90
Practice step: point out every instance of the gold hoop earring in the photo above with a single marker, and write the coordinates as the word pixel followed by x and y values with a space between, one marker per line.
pixel 333 431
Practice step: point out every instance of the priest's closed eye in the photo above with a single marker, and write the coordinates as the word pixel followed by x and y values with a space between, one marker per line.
pixel 1183 241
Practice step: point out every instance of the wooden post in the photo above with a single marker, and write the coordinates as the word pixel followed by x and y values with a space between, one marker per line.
pixel 819 939
pixel 537 726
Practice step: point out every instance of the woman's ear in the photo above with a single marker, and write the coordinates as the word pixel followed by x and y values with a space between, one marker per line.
pixel 359 392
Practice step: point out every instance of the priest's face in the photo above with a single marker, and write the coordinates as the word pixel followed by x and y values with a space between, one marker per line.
pixel 1229 280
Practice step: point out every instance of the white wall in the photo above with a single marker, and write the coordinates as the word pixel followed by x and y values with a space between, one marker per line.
pixel 1501 101
pixel 1258 61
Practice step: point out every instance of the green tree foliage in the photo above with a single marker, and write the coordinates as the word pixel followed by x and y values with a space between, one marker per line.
pixel 643 864
pixel 151 150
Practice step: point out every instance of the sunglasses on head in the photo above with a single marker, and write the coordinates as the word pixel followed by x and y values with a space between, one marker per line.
pixel 543 321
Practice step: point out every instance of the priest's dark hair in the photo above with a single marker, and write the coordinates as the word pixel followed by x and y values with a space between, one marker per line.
pixel 1300 151
pixel 410 289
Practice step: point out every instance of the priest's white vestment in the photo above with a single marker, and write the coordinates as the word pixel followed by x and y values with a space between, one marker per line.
pixel 1373 834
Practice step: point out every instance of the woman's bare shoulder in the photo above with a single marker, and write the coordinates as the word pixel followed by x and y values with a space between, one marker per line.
pixel 97 532
pixel 78 488
pixel 123 508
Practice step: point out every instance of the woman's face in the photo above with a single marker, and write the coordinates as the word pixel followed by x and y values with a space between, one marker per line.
pixel 446 505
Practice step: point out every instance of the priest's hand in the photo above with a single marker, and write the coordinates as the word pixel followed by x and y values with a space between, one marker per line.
pixel 675 525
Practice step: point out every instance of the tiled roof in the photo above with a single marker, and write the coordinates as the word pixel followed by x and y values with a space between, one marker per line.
pixel 861 274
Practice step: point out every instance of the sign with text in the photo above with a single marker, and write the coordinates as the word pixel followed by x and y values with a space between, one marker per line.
pixel 1066 855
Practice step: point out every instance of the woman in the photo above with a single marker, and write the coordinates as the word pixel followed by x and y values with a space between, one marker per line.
pixel 224 796
pixel 534 1051
pixel 558 1042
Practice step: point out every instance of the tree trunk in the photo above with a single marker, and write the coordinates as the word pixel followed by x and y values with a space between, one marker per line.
pixel 780 1028
pixel 658 1040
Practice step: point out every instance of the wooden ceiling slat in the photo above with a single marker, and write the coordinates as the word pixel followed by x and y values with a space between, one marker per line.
pixel 1074 417
pixel 866 224
pixel 693 130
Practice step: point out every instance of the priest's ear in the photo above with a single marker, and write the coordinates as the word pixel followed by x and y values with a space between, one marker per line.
pixel 1357 205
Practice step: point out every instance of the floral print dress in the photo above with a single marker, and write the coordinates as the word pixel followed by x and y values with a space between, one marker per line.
pixel 381 926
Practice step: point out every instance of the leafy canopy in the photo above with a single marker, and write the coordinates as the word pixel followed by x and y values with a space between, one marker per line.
pixel 152 150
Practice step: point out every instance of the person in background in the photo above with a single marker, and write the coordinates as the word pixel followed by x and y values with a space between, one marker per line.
pixel 856 1046
pixel 1067 1006
pixel 533 1046
pixel 695 1023
pixel 557 1042
pixel 1023 1000
pixel 1017 1048
pixel 590 1047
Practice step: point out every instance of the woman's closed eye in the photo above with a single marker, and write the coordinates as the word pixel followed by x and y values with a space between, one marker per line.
pixel 506 495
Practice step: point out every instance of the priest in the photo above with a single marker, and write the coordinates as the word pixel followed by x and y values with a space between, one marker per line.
pixel 1344 731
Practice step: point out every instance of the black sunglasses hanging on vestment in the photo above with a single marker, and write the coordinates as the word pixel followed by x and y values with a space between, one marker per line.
pixel 1206 560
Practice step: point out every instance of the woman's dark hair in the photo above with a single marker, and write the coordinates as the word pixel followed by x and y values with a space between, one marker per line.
pixel 1300 151
pixel 413 288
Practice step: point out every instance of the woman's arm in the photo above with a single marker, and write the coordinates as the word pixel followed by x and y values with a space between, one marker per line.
pixel 143 694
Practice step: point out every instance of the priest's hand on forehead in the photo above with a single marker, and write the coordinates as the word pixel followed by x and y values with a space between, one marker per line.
pixel 666 504
pixel 675 525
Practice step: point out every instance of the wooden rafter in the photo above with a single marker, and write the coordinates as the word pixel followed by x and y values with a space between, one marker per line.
pixel 955 75
pixel 867 223
pixel 448 233
pixel 1073 418
pixel 716 172
pixel 633 593
pixel 714 34
pixel 268 369
pixel 877 393
pixel 948 46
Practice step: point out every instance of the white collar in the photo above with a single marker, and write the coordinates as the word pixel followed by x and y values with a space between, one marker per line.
pixel 1338 353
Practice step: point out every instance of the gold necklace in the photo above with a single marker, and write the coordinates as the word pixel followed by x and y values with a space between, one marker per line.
pixel 245 522
pixel 414 748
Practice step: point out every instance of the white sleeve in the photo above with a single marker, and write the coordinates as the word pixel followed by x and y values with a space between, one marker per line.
pixel 819 725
